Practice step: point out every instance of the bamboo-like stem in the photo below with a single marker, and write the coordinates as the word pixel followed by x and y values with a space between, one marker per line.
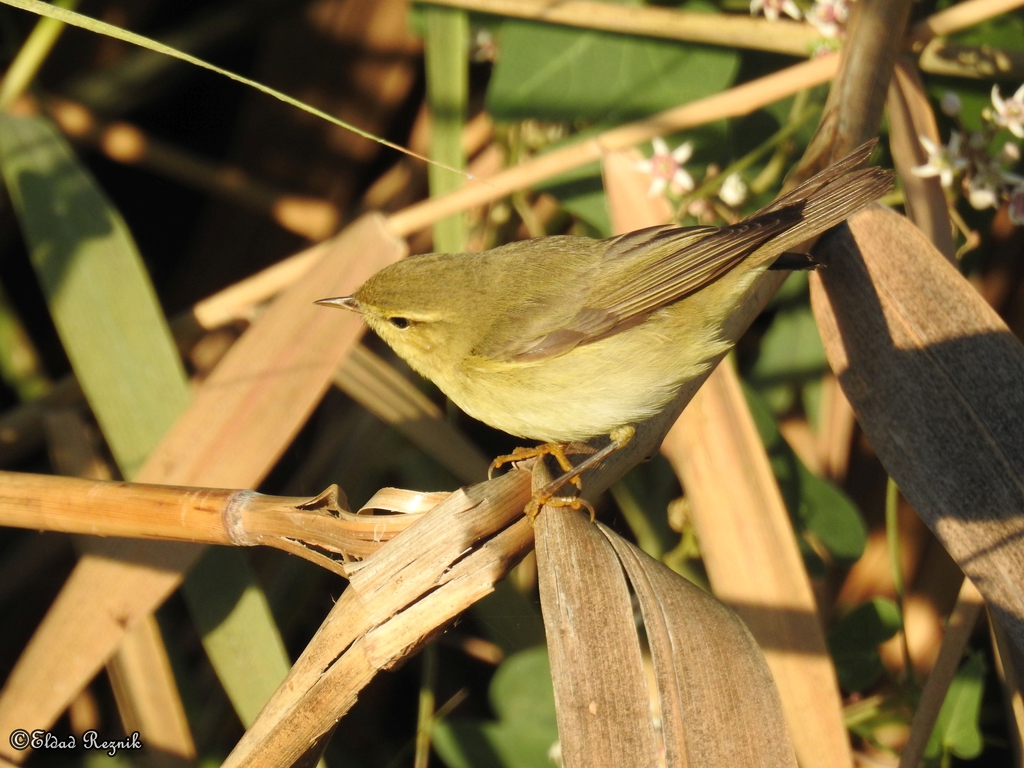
pixel 299 525
pixel 733 30
pixel 957 17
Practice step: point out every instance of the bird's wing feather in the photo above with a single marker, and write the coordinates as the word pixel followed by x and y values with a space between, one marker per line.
pixel 659 265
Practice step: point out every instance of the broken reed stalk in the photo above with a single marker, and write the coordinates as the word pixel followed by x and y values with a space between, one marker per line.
pixel 396 600
pixel 302 526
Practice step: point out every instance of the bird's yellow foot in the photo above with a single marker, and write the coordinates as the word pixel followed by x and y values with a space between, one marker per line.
pixel 546 495
pixel 555 450
pixel 573 502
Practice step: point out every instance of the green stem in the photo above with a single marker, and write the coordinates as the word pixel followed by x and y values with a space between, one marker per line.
pixel 31 55
pixel 447 60
pixel 892 535
pixel 425 717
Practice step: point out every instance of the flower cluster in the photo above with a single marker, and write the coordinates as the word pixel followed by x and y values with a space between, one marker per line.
pixel 984 178
pixel 829 16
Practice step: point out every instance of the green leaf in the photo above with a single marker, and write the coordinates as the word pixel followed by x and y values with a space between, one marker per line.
pixel 233 618
pixel 816 506
pixel 100 296
pixel 791 350
pixel 559 73
pixel 523 698
pixel 831 516
pixel 855 639
pixel 956 728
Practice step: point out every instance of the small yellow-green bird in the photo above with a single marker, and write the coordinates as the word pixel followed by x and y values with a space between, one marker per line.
pixel 561 339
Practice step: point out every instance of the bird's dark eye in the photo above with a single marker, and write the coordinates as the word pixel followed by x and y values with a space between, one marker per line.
pixel 399 322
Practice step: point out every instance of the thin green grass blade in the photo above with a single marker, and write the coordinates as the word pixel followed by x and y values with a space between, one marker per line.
pixel 102 28
pixel 115 334
pixel 447 60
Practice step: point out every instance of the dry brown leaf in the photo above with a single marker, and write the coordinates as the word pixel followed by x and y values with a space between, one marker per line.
pixel 708 663
pixel 935 378
pixel 718 704
pixel 601 697
pixel 911 116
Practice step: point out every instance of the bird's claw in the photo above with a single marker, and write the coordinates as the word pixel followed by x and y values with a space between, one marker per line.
pixel 555 450
pixel 572 502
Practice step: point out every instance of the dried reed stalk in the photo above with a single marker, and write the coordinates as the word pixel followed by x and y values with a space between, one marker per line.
pixel 395 601
pixel 732 30
pixel 147 695
pixel 911 116
pixel 300 525
pixel 957 17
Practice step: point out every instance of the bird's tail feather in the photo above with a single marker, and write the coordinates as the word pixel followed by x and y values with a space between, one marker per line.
pixel 828 198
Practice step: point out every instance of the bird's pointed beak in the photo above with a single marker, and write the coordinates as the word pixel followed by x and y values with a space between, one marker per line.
pixel 342 302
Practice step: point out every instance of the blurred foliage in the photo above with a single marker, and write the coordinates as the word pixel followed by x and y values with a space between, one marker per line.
pixel 854 642
pixel 546 86
pixel 524 733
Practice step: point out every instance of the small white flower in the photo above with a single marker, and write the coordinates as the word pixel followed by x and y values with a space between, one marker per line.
pixel 773 8
pixel 943 161
pixel 950 104
pixel 1010 152
pixel 733 191
pixel 829 16
pixel 667 169
pixel 1016 207
pixel 1009 112
pixel 982 194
